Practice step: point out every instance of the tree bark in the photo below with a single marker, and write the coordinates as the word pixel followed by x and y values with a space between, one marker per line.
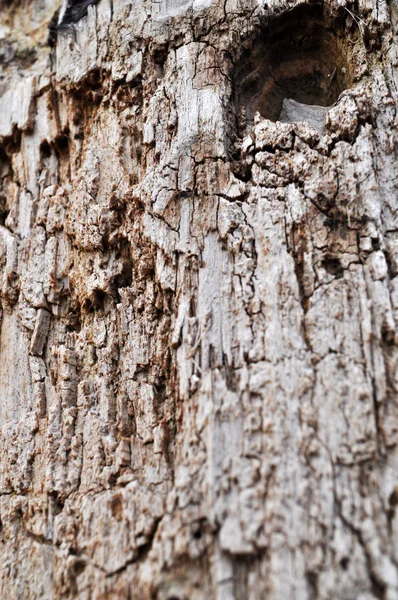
pixel 199 292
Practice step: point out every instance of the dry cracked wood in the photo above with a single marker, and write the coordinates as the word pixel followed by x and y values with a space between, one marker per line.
pixel 198 349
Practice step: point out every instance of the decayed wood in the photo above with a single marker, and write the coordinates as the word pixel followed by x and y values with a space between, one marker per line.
pixel 199 292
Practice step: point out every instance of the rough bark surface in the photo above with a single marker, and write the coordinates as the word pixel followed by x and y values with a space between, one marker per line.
pixel 199 292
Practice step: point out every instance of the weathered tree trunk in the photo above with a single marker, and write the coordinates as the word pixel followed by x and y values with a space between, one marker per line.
pixel 199 291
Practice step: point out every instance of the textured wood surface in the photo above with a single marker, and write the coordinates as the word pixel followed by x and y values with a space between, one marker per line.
pixel 198 347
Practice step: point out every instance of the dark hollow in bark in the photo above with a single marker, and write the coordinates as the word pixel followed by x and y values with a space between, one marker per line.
pixel 302 55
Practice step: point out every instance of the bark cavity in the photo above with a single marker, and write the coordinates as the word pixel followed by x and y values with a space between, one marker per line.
pixel 296 66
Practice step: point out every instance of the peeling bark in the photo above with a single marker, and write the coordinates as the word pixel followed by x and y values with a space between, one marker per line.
pixel 199 300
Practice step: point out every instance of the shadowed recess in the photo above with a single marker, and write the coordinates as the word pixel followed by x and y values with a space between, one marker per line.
pixel 300 57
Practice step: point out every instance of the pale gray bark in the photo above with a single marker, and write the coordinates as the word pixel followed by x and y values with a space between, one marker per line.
pixel 198 349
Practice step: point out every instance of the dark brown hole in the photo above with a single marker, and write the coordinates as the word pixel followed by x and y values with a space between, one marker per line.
pixel 333 266
pixel 300 56
pixel 344 563
pixel 99 299
pixel 79 567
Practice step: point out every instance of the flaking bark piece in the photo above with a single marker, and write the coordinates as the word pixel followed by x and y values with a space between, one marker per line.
pixel 40 332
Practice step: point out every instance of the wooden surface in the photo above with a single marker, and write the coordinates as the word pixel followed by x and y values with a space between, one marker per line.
pixel 198 347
